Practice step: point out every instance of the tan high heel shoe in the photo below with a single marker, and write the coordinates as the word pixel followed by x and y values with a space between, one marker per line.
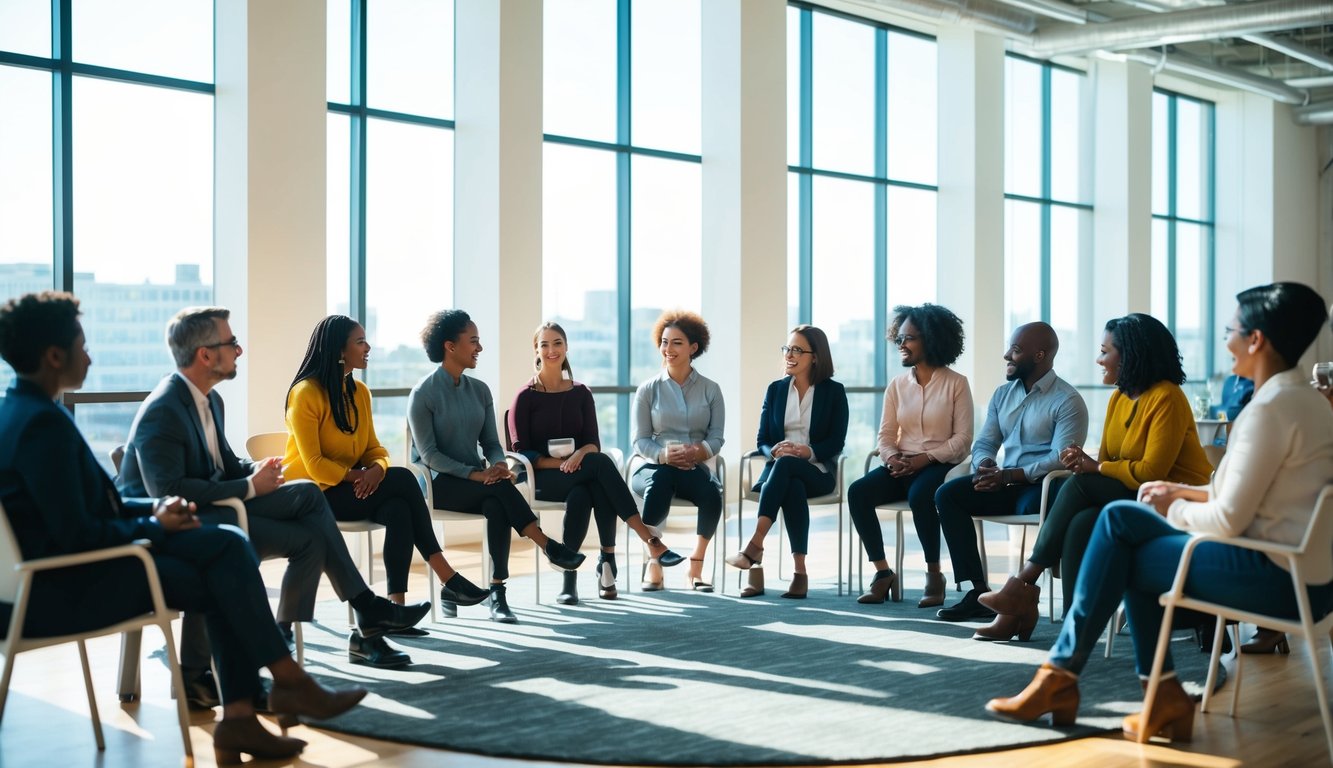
pixel 1172 715
pixel 1053 690
pixel 651 578
pixel 695 578
pixel 750 557
pixel 880 586
pixel 754 583
pixel 245 735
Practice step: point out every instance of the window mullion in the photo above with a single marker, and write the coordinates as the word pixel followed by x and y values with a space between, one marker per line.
pixel 62 154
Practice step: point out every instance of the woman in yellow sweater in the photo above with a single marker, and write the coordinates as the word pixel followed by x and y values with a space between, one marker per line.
pixel 1149 434
pixel 332 442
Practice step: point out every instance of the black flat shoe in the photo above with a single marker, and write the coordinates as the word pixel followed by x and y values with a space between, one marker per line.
pixel 967 609
pixel 460 591
pixel 500 612
pixel 374 652
pixel 562 556
pixel 201 690
pixel 569 593
pixel 407 632
pixel 385 616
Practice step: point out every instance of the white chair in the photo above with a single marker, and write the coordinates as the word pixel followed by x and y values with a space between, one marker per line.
pixel 443 515
pixel 720 466
pixel 16 577
pixel 1315 623
pixel 744 494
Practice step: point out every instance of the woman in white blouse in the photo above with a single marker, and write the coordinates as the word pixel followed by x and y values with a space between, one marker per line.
pixel 678 422
pixel 802 428
pixel 1279 457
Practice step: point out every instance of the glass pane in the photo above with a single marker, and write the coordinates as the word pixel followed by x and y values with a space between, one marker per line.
pixel 913 137
pixel 143 229
pixel 1079 338
pixel 666 252
pixel 1192 333
pixel 161 37
pixel 409 243
pixel 25 27
pixel 665 61
pixel 863 412
pixel 390 415
pixel 844 95
pixel 579 269
pixel 1193 151
pixel 339 52
pixel 104 425
pixel 844 244
pixel 911 273
pixel 338 216
pixel 410 57
pixel 1022 128
pixel 1161 260
pixel 579 68
pixel 1022 263
pixel 1161 167
pixel 793 249
pixel 794 85
pixel 1067 137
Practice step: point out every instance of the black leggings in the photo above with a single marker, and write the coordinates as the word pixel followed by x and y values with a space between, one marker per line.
pixel 500 503
pixel 658 484
pixel 879 487
pixel 398 506
pixel 595 488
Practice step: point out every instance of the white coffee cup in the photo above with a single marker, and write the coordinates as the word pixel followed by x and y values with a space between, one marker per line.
pixel 672 446
pixel 560 447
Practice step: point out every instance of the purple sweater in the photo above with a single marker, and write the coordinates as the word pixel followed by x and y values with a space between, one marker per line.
pixel 536 417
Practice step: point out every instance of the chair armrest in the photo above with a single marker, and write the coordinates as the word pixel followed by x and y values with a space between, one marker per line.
pixel 1046 491
pixel 617 458
pixel 237 506
pixel 747 470
pixel 138 549
pixel 870 458
pixel 422 474
pixel 529 482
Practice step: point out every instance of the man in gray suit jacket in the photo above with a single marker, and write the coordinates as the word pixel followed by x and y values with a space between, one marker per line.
pixel 178 447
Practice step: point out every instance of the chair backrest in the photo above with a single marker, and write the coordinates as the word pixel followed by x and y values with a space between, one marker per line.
pixel 10 557
pixel 117 455
pixel 509 440
pixel 261 445
pixel 1214 454
pixel 1319 533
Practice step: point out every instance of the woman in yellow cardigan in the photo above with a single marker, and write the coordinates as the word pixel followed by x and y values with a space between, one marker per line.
pixel 1149 434
pixel 332 442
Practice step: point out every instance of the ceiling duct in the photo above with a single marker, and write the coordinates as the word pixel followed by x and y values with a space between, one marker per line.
pixel 1192 66
pixel 1319 113
pixel 1181 26
pixel 982 14
pixel 1294 50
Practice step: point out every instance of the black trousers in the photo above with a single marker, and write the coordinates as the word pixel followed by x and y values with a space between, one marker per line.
pixel 1065 533
pixel 658 484
pixel 958 502
pixel 789 485
pixel 500 503
pixel 879 487
pixel 210 571
pixel 398 506
pixel 594 490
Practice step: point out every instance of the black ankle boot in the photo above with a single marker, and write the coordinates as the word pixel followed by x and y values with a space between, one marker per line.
pixel 500 606
pixel 606 576
pixel 569 594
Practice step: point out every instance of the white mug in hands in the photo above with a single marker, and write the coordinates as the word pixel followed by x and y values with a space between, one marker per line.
pixel 1322 375
pixel 671 447
pixel 560 447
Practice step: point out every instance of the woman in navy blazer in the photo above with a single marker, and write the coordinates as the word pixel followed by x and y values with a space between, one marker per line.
pixel 802 429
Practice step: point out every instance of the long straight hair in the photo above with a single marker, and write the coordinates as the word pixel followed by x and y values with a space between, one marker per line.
pixel 537 357
pixel 323 362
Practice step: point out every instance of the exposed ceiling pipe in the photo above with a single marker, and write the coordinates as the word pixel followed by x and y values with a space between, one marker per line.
pixel 983 14
pixel 1055 9
pixel 1294 50
pixel 1181 26
pixel 1322 81
pixel 1319 113
pixel 1185 64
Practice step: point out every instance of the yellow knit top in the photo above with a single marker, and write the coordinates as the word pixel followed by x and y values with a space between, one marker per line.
pixel 316 449
pixel 1152 438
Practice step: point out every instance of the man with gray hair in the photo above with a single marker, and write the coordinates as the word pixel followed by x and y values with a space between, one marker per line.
pixel 178 447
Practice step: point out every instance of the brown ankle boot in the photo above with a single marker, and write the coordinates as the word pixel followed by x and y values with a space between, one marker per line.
pixel 233 737
pixel 1053 690
pixel 754 586
pixel 1172 715
pixel 880 586
pixel 934 594
pixel 800 585
pixel 1006 626
pixel 1017 597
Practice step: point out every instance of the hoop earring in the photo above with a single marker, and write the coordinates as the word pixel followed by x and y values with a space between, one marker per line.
pixel 341 361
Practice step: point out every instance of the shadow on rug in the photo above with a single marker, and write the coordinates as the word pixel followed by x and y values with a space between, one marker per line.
pixel 673 678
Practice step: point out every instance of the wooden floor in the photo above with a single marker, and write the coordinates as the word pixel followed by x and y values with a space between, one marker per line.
pixel 46 718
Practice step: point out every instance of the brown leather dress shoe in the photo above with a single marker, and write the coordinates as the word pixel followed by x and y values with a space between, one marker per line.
pixel 1172 715
pixel 800 585
pixel 245 735
pixel 1053 690
pixel 307 698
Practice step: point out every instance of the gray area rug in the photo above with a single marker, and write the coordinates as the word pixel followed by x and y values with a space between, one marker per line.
pixel 681 678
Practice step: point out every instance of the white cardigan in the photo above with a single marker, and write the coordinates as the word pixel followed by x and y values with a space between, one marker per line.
pixel 1279 456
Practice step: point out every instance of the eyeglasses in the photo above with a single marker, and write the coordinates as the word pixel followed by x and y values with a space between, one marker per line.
pixel 1228 330
pixel 233 342
pixel 899 341
pixel 795 351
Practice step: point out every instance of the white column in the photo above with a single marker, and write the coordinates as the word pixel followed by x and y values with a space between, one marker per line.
pixel 270 166
pixel 744 204
pixel 498 184
pixel 1121 266
pixel 970 262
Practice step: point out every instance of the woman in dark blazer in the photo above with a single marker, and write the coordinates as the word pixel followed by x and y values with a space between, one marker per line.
pixel 802 429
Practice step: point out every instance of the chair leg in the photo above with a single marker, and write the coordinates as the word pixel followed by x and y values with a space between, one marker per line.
pixel 898 558
pixel 1214 659
pixel 1312 647
pixel 178 685
pixel 8 672
pixel 128 683
pixel 92 700
pixel 981 548
pixel 300 643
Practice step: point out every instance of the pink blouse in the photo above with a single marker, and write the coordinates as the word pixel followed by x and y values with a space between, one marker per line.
pixel 935 419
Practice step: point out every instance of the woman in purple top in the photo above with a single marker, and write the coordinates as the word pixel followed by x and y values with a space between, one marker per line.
pixel 552 406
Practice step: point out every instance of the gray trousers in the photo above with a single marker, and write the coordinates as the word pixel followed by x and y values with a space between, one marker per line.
pixel 294 522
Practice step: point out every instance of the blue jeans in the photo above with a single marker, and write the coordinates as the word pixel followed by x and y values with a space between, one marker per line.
pixel 1134 554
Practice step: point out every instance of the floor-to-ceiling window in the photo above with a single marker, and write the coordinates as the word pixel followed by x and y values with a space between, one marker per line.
pixel 106 178
pixel 391 183
pixel 861 154
pixel 1182 231
pixel 621 175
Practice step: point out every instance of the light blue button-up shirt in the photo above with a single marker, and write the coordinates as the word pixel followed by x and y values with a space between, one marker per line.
pixel 665 410
pixel 1032 426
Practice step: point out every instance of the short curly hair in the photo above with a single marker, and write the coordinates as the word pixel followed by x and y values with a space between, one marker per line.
pixel 688 323
pixel 35 322
pixel 442 326
pixel 941 331
pixel 1148 353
